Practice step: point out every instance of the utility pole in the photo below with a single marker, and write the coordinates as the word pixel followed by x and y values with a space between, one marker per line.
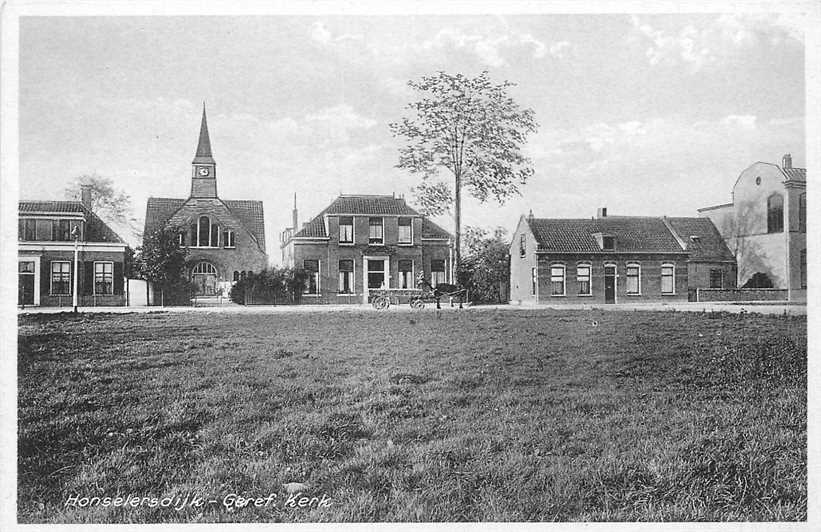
pixel 76 234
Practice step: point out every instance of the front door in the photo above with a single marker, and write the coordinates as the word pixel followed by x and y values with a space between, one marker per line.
pixel 25 283
pixel 609 284
pixel 204 277
pixel 376 274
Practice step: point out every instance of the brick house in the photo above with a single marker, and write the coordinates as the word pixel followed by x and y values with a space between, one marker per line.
pixel 765 226
pixel 359 243
pixel 615 259
pixel 45 261
pixel 225 238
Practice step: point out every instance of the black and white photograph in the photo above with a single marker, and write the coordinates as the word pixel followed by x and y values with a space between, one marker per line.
pixel 350 262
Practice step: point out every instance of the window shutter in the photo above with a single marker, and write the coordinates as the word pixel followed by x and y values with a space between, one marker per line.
pixel 118 278
pixel 45 278
pixel 88 278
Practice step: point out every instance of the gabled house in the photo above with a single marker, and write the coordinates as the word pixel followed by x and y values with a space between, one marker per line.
pixel 765 226
pixel 615 259
pixel 45 261
pixel 359 243
pixel 225 238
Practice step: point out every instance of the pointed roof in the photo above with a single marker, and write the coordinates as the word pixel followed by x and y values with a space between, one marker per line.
pixel 204 146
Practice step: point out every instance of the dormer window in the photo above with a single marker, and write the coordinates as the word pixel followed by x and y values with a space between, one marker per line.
pixel 695 239
pixel 608 243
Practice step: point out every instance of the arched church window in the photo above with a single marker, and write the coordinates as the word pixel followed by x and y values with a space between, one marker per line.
pixel 775 213
pixel 204 236
pixel 236 275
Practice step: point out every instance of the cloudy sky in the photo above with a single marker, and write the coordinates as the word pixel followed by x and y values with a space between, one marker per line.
pixel 646 114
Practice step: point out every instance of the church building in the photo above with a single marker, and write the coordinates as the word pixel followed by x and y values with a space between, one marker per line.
pixel 225 238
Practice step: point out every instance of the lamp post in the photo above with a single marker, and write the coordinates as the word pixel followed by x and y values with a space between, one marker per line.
pixel 76 234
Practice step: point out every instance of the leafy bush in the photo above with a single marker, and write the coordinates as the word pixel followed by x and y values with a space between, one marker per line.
pixel 272 286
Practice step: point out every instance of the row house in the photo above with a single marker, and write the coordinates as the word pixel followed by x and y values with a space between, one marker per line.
pixel 46 236
pixel 361 243
pixel 616 259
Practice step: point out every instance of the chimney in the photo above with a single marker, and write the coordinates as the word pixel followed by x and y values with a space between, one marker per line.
pixel 601 212
pixel 294 214
pixel 786 161
pixel 530 216
pixel 85 196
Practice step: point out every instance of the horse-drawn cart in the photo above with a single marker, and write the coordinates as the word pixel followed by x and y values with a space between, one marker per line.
pixel 382 298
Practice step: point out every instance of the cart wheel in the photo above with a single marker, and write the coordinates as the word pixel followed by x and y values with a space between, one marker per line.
pixel 381 303
pixel 417 304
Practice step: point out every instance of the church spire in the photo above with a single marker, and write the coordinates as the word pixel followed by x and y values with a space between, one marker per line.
pixel 204 168
pixel 204 146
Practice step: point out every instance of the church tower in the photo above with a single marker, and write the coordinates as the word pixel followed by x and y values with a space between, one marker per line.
pixel 204 168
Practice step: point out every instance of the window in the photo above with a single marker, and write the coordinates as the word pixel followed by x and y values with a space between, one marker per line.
pixel 242 275
pixel 25 267
pixel 775 214
pixel 60 278
pixel 405 231
pixel 346 229
pixel 44 230
pixel 437 272
pixel 228 239
pixel 103 278
pixel 215 235
pixel 608 243
pixel 27 230
pixel 312 282
pixel 236 276
pixel 346 276
pixel 557 280
pixel 803 268
pixel 375 233
pixel 534 280
pixel 522 245
pixel 62 230
pixel 668 279
pixel 716 278
pixel 406 274
pixel 203 236
pixel 181 239
pixel 633 279
pixel 802 212
pixel 583 278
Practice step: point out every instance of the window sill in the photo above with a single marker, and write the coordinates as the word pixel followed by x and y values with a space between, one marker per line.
pixel 558 295
pixel 347 295
pixel 668 293
pixel 585 295
pixel 229 247
pixel 405 244
pixel 203 247
pixel 346 243
pixel 311 295
pixel 633 295
pixel 380 243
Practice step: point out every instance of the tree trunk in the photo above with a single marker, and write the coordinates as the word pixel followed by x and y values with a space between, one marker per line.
pixel 457 252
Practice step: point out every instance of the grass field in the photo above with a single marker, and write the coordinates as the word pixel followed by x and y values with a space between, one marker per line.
pixel 458 416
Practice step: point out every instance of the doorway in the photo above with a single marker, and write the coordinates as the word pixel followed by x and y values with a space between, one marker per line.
pixel 376 274
pixel 204 277
pixel 610 283
pixel 25 282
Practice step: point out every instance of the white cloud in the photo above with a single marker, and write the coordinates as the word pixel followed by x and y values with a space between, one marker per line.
pixel 320 33
pixel 560 49
pixel 489 47
pixel 741 121
pixel 698 47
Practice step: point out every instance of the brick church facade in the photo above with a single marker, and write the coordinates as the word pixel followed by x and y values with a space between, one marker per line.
pixel 225 238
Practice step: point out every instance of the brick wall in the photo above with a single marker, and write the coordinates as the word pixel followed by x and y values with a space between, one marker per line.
pixel 650 277
pixel 741 294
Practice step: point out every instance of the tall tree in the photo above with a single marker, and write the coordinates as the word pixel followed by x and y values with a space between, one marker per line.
pixel 107 202
pixel 161 260
pixel 472 128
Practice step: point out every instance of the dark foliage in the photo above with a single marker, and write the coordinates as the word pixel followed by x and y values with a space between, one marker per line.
pixel 272 286
pixel 162 261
